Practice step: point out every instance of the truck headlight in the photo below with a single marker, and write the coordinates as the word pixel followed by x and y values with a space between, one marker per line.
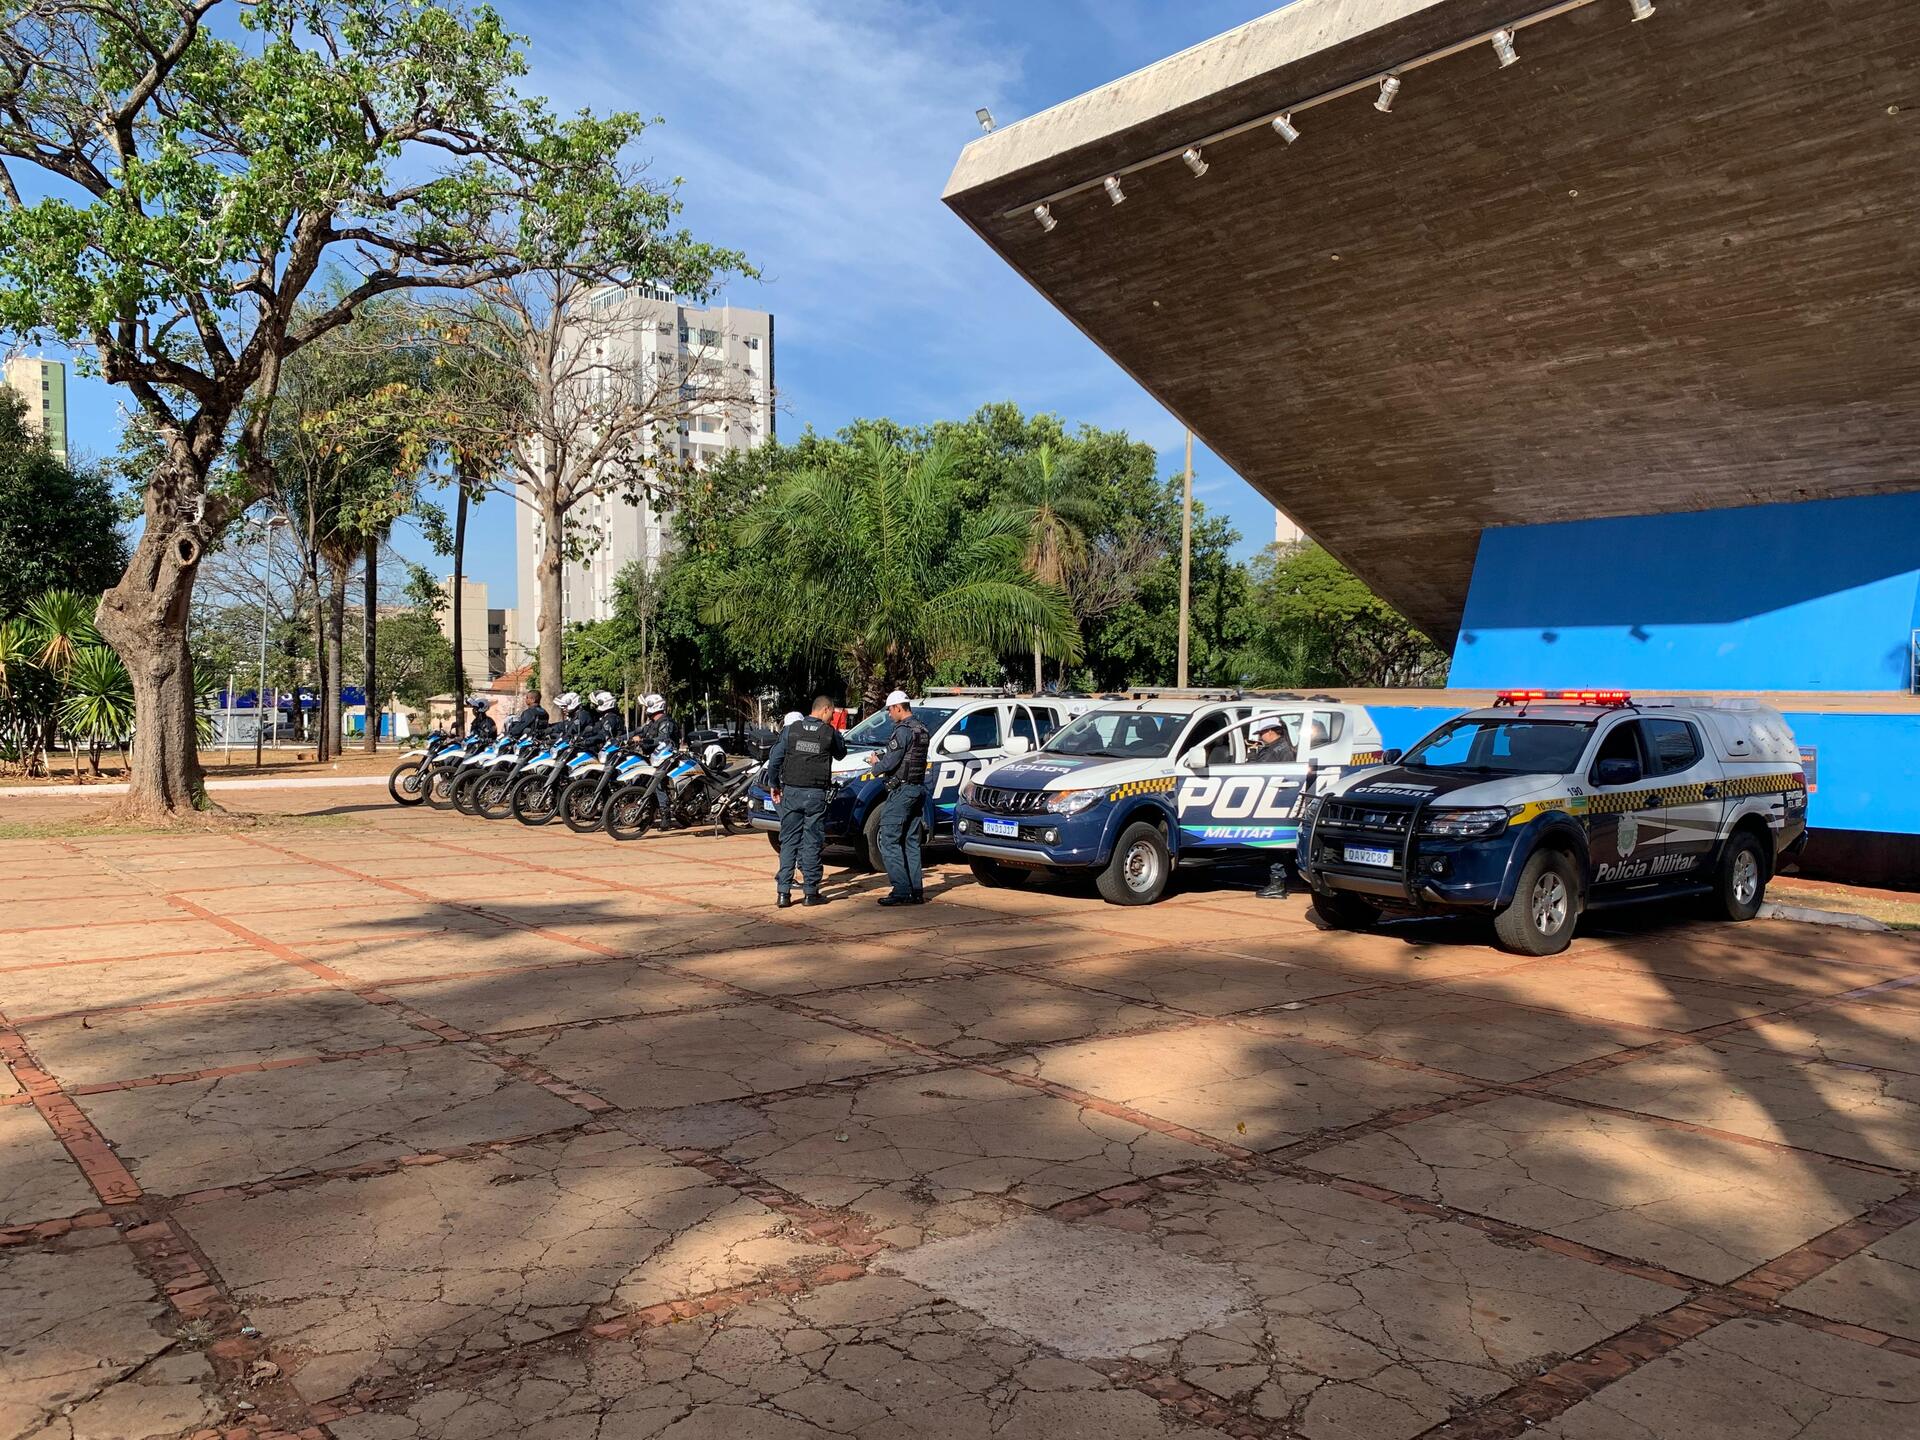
pixel 1072 802
pixel 1310 809
pixel 968 789
pixel 1465 822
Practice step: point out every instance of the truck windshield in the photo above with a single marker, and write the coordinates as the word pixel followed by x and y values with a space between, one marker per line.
pixel 1119 735
pixel 874 730
pixel 1503 746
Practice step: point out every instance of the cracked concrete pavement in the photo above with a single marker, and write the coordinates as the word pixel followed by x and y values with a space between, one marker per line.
pixel 462 1130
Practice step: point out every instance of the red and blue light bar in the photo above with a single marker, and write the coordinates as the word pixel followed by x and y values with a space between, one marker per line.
pixel 1564 697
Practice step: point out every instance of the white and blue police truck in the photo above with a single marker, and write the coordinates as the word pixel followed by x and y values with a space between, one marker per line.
pixel 1132 789
pixel 1551 803
pixel 967 732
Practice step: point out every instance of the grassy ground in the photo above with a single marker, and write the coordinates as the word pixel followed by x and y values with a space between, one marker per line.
pixel 1889 908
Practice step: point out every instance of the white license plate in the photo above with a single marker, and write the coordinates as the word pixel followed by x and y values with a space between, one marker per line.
pixel 1007 829
pixel 1368 855
pixel 769 806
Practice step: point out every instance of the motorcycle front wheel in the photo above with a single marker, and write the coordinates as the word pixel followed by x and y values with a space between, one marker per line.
pixel 630 812
pixel 736 816
pixel 439 788
pixel 580 805
pixel 531 800
pixel 408 782
pixel 464 788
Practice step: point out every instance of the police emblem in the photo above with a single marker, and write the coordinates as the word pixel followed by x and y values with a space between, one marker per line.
pixel 1628 835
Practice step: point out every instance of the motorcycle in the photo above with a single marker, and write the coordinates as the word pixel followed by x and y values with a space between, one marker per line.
pixel 445 769
pixel 583 803
pixel 485 766
pixel 697 786
pixel 534 795
pixel 407 784
pixel 630 810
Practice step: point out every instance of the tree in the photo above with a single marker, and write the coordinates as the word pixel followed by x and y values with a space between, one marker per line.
pixel 202 183
pixel 874 559
pixel 58 526
pixel 59 631
pixel 1316 623
pixel 586 410
pixel 98 704
pixel 1056 510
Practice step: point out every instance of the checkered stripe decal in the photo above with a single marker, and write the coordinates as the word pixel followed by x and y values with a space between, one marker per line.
pixel 1164 785
pixel 1661 797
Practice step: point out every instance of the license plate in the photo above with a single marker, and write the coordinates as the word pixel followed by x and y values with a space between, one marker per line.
pixel 768 806
pixel 1368 855
pixel 1007 829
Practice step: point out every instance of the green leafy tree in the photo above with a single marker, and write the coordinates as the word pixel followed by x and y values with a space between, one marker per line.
pixel 875 560
pixel 60 629
pixel 1056 509
pixel 98 704
pixel 1316 623
pixel 201 182
pixel 59 527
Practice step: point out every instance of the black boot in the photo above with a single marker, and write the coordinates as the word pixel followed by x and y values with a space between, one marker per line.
pixel 1276 886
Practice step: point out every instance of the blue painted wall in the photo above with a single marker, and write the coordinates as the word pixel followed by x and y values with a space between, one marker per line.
pixel 1867 767
pixel 1823 595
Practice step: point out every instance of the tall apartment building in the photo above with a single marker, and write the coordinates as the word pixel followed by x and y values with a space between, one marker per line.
pixel 1285 531
pixel 43 385
pixel 729 350
pixel 486 634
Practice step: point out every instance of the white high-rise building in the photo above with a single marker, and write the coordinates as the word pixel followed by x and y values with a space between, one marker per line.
pixel 727 347
pixel 42 384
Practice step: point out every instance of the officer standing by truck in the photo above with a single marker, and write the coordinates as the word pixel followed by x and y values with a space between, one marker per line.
pixel 1275 748
pixel 904 763
pixel 799 769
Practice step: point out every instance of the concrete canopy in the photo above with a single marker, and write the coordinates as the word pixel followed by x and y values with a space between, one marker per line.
pixel 1650 267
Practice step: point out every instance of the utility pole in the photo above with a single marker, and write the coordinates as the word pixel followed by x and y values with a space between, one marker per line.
pixel 1186 560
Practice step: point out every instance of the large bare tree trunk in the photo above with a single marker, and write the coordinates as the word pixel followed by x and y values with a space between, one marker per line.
pixel 144 618
pixel 459 562
pixel 369 603
pixel 552 557
pixel 336 659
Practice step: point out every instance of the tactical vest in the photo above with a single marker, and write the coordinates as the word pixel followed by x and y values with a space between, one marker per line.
pixel 808 761
pixel 913 768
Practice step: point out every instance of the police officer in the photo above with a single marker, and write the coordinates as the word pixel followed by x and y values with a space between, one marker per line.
pixel 1275 748
pixel 532 719
pixel 799 768
pixel 904 763
pixel 662 729
pixel 482 727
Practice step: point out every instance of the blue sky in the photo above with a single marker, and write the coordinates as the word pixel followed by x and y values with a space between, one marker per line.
pixel 816 135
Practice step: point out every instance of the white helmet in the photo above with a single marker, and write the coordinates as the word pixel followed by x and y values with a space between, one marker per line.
pixel 603 700
pixel 656 705
pixel 569 701
pixel 715 755
pixel 792 717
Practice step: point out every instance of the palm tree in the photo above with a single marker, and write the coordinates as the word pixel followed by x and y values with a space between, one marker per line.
pixel 98 705
pixel 60 627
pixel 1055 508
pixel 872 558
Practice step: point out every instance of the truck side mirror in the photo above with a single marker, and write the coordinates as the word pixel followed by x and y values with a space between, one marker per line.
pixel 1195 759
pixel 1617 772
pixel 957 744
pixel 1018 745
pixel 1391 757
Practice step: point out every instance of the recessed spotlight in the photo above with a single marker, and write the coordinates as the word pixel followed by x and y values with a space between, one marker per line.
pixel 1194 163
pixel 1044 214
pixel 1283 127
pixel 1114 192
pixel 1389 88
pixel 1642 10
pixel 985 117
pixel 1503 47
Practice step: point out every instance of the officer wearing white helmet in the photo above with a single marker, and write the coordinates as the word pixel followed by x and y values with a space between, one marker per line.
pixel 604 720
pixel 662 729
pixel 482 726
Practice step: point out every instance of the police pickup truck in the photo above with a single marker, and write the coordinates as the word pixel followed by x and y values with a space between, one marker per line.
pixel 1552 803
pixel 965 734
pixel 1134 788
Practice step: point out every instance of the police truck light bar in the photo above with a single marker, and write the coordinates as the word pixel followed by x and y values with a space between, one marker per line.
pixel 1564 697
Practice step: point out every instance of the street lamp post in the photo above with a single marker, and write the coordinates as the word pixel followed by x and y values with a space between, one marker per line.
pixel 268 524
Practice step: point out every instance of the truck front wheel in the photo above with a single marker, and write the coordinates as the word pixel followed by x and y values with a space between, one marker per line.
pixel 1338 910
pixel 1545 908
pixel 1140 868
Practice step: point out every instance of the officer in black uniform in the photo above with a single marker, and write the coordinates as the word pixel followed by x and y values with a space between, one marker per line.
pixel 904 763
pixel 482 727
pixel 1274 749
pixel 799 769
pixel 662 729
pixel 532 719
